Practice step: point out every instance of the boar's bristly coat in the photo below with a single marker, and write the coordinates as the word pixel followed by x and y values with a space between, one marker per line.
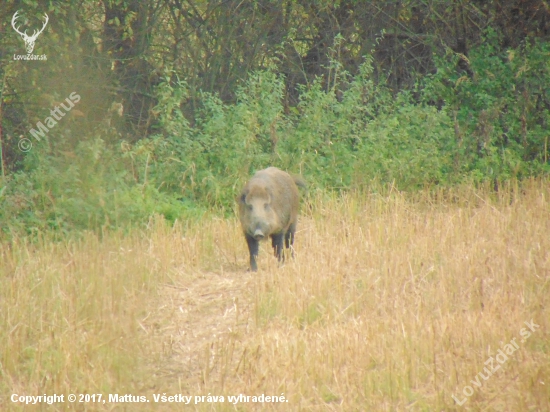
pixel 268 206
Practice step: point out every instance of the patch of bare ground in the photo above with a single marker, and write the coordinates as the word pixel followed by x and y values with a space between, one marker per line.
pixel 193 318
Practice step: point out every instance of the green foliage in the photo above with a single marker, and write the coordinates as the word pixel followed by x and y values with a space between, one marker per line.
pixel 346 132
pixel 91 187
pixel 411 146
pixel 502 111
pixel 338 138
pixel 205 164
pixel 367 135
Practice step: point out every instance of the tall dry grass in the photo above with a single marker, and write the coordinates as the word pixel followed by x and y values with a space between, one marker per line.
pixel 394 302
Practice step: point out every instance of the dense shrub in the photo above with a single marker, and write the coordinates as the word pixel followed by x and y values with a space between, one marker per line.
pixel 490 123
pixel 502 111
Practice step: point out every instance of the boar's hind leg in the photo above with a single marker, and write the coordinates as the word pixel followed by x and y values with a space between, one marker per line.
pixel 253 249
pixel 277 243
pixel 289 238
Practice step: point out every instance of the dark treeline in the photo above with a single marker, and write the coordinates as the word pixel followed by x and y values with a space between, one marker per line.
pixel 164 84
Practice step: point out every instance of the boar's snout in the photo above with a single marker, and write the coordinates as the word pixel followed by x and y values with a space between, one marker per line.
pixel 258 234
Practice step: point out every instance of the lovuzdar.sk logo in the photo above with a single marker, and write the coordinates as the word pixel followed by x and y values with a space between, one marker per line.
pixel 29 40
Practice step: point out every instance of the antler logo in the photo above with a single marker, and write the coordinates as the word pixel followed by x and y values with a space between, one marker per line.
pixel 29 40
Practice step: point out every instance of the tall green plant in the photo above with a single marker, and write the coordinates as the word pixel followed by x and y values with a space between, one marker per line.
pixel 502 111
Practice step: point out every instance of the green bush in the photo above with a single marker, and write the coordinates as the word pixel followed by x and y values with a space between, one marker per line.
pixel 91 187
pixel 502 111
pixel 346 133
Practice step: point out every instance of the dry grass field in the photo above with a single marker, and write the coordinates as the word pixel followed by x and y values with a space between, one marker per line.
pixel 393 303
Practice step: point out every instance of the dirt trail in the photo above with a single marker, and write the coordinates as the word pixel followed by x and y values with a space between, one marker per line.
pixel 195 320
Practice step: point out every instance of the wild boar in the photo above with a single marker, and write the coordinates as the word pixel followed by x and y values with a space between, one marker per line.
pixel 268 206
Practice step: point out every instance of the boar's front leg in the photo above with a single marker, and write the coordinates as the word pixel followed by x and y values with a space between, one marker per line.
pixel 253 246
pixel 277 243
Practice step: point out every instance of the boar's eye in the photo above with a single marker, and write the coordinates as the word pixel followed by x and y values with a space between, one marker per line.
pixel 266 206
pixel 243 197
pixel 249 207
